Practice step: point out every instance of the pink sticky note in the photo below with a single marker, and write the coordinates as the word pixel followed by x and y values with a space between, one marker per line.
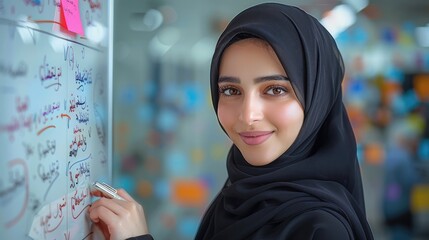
pixel 72 16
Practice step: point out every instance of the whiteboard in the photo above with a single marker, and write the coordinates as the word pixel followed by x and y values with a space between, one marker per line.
pixel 55 115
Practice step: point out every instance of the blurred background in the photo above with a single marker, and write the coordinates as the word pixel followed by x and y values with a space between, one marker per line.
pixel 169 151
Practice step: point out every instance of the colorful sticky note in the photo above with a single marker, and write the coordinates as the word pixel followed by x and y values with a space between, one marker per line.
pixel 191 193
pixel 420 198
pixel 423 151
pixel 162 189
pixel 177 163
pixel 72 16
pixel 188 226
pixel 144 189
pixel 167 120
pixel 59 19
pixel 421 85
pixel 374 153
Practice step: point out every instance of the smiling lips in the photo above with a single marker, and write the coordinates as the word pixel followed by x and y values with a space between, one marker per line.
pixel 255 138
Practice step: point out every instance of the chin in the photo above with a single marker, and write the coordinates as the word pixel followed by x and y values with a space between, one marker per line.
pixel 257 161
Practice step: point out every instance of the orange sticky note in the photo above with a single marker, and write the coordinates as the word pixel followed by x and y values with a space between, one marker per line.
pixel 72 16
pixel 421 86
pixel 191 193
pixel 374 153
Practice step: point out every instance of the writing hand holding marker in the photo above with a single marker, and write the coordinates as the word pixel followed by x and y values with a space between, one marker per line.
pixel 118 217
pixel 106 190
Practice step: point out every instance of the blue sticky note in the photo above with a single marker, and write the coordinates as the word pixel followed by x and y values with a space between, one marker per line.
pixel 162 189
pixel 188 226
pixel 177 163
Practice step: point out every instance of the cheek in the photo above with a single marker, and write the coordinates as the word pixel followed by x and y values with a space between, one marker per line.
pixel 225 116
pixel 290 115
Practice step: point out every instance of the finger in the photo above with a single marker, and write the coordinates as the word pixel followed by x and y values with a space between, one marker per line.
pixel 121 192
pixel 97 203
pixel 113 205
pixel 108 221
pixel 96 193
pixel 102 214
pixel 105 229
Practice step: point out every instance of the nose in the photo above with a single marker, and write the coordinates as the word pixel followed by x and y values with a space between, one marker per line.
pixel 251 109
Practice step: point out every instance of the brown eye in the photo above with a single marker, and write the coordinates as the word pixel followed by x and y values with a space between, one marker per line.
pixel 229 91
pixel 276 90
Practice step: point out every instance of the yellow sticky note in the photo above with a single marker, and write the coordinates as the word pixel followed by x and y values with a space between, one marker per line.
pixel 420 198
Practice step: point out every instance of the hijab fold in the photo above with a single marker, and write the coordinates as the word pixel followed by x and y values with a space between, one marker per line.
pixel 320 170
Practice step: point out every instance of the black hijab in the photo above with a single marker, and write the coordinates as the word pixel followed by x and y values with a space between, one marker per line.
pixel 320 169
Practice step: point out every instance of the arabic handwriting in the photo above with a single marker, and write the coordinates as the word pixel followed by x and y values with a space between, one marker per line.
pixel 50 76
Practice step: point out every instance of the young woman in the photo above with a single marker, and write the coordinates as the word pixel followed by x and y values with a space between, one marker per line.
pixel 292 170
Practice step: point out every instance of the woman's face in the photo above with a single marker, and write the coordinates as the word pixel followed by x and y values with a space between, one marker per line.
pixel 257 106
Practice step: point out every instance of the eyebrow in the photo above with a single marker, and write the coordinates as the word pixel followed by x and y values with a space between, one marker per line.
pixel 256 80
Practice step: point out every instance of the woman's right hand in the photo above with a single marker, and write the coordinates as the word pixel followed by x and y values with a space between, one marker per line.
pixel 118 219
